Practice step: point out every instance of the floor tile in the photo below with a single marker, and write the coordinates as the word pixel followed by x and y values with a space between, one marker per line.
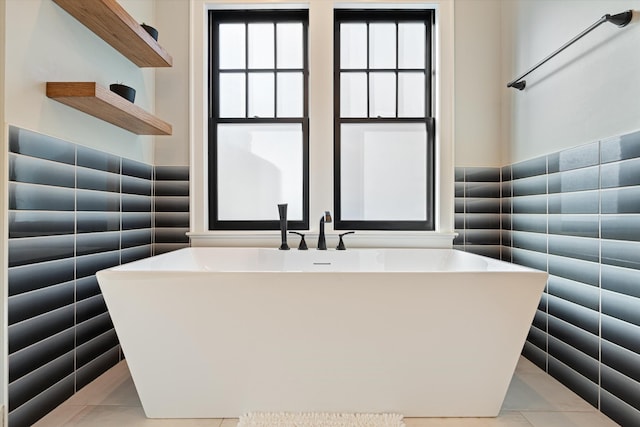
pixel 568 419
pixel 59 416
pixel 111 415
pixel 534 392
pixel 505 419
pixel 113 388
pixel 526 366
pixel 534 399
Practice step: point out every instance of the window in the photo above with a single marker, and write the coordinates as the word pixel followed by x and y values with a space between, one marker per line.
pixel 258 119
pixel 384 129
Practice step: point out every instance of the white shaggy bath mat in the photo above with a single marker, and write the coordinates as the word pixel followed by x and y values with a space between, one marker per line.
pixel 285 419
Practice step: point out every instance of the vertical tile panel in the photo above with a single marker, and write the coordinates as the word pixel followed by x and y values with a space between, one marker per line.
pixel 619 148
pixel 478 208
pixel 575 381
pixel 137 210
pixel 100 205
pixel 506 217
pixel 618 410
pixel 621 386
pixel 574 158
pixel 38 381
pixel 97 367
pixel 593 258
pixel 36 408
pixel 40 308
pixel 65 223
pixel 459 225
pixel 171 204
pixel 33 144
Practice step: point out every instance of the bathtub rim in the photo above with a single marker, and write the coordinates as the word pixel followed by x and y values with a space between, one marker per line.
pixel 499 266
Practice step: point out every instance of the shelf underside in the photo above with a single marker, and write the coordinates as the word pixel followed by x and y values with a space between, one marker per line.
pixel 114 25
pixel 100 102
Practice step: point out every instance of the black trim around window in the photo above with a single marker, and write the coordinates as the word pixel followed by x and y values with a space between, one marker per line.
pixel 252 16
pixel 391 16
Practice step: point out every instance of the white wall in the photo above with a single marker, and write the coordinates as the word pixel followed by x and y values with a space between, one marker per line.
pixel 588 92
pixel 172 84
pixel 477 83
pixel 45 43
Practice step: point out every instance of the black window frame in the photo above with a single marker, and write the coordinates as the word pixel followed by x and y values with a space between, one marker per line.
pixel 255 16
pixel 386 15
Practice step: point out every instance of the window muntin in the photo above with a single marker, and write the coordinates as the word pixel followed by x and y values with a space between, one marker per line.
pixel 258 131
pixel 384 130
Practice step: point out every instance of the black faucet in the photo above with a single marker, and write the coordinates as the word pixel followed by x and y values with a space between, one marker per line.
pixel 282 211
pixel 303 245
pixel 322 243
pixel 341 246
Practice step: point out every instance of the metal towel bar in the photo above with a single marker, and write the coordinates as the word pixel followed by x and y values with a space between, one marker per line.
pixel 619 19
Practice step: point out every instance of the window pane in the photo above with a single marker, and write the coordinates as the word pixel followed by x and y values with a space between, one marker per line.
pixel 232 95
pixel 382 94
pixel 289 50
pixel 259 166
pixel 383 172
pixel 353 46
pixel 290 95
pixel 382 45
pixel 261 46
pixel 261 93
pixel 411 95
pixel 411 45
pixel 353 95
pixel 231 46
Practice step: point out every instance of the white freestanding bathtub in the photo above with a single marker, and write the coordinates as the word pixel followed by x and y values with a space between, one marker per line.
pixel 219 332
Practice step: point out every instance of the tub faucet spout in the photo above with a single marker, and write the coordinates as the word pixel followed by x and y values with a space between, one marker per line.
pixel 282 211
pixel 322 243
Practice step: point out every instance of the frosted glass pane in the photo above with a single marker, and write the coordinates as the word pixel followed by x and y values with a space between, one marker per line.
pixel 261 45
pixel 411 95
pixel 231 49
pixel 261 93
pixel 411 45
pixel 353 46
pixel 382 45
pixel 259 166
pixel 289 42
pixel 383 172
pixel 232 95
pixel 353 95
pixel 290 95
pixel 382 94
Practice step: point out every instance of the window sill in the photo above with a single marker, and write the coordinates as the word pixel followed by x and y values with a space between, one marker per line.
pixel 362 239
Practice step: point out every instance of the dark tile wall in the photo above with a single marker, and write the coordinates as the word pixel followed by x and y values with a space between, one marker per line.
pixel 72 212
pixel 477 210
pixel 576 215
pixel 171 208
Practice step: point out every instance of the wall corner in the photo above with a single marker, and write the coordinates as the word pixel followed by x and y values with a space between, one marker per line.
pixel 3 223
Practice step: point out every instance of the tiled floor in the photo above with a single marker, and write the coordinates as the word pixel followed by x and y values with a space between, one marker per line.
pixel 534 399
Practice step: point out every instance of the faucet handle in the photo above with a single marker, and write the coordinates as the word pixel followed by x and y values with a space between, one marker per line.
pixel 303 244
pixel 341 246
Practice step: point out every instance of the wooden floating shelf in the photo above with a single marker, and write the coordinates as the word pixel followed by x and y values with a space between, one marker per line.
pixel 100 102
pixel 114 25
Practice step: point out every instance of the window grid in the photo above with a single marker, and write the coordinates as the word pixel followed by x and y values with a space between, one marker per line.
pixel 397 70
pixel 396 17
pixel 273 17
